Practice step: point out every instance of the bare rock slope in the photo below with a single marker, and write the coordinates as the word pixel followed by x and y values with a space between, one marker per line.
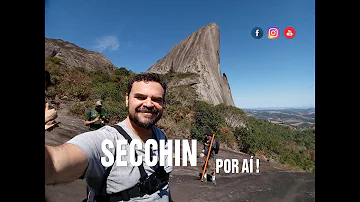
pixel 75 56
pixel 199 53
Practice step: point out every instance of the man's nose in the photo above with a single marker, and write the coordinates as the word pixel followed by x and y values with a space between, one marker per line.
pixel 148 103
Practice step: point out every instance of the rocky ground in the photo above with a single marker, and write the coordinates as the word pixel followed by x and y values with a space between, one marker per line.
pixel 272 183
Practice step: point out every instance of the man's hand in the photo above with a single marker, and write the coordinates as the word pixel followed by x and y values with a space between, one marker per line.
pixel 51 125
pixel 50 114
pixel 96 119
pixel 104 119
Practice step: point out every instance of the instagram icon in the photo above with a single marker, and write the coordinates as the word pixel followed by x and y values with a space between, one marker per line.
pixel 273 32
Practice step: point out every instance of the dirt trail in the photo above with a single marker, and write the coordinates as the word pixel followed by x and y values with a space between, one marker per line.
pixel 270 184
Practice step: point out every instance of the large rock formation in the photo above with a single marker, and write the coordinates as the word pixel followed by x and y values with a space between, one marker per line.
pixel 75 56
pixel 199 53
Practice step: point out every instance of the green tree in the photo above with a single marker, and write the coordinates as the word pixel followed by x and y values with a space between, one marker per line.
pixel 206 117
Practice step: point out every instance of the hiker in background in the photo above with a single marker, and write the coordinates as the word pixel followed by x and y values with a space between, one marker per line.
pixel 50 114
pixel 96 117
pixel 210 168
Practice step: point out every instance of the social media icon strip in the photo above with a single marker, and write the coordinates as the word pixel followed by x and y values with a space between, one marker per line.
pixel 289 32
pixel 273 32
pixel 257 33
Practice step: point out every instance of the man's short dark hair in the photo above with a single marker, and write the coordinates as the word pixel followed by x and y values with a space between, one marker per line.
pixel 47 79
pixel 147 77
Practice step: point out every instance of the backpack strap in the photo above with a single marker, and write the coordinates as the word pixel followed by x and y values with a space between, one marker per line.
pixel 124 195
pixel 126 136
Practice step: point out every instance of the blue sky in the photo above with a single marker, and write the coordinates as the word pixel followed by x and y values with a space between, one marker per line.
pixel 135 34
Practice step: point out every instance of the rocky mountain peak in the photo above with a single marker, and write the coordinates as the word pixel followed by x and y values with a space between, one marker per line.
pixel 199 53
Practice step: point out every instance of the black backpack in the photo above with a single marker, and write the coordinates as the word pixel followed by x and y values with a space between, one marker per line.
pixel 131 192
pixel 217 145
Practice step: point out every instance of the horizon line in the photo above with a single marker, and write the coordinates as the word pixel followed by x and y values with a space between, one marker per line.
pixel 298 107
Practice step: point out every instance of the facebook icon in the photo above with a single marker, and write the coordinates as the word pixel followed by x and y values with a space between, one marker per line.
pixel 257 33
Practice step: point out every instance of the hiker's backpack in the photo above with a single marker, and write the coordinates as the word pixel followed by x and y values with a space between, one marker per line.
pixel 160 177
pixel 217 145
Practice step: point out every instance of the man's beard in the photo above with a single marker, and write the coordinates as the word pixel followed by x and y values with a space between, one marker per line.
pixel 136 119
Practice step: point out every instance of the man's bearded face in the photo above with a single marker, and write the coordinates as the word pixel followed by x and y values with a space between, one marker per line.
pixel 145 103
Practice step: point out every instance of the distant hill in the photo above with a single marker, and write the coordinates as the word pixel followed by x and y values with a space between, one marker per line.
pixel 295 118
pixel 74 56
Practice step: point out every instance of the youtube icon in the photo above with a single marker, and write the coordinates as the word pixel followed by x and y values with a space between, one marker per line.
pixel 289 32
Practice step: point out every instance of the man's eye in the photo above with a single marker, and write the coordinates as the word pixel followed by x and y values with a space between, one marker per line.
pixel 157 100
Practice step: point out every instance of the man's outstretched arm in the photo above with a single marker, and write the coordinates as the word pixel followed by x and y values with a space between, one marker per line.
pixel 64 163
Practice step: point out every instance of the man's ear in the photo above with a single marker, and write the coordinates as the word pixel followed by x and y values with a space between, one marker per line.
pixel 127 99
